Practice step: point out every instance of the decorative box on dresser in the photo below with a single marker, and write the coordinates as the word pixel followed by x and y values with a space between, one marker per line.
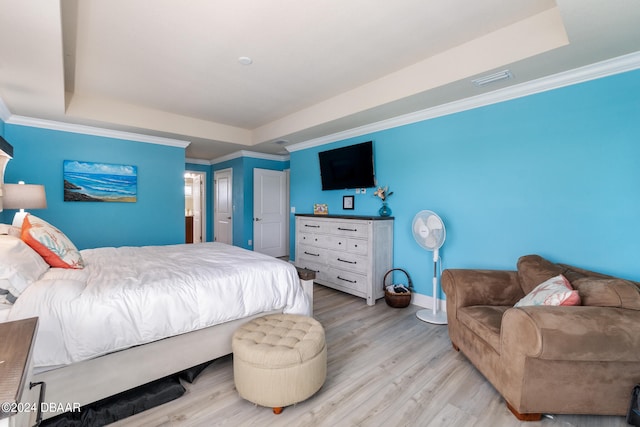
pixel 348 253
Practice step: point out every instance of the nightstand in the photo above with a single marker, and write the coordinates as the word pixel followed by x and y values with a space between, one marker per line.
pixel 17 340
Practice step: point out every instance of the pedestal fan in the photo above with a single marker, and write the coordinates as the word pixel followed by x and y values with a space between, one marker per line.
pixel 429 232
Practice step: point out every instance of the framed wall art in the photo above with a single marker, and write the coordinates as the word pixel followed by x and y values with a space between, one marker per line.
pixel 320 209
pixel 348 202
pixel 99 182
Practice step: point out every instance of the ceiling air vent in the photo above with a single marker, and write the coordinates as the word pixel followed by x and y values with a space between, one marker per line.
pixel 492 78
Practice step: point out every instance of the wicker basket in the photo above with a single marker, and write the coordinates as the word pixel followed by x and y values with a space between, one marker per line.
pixel 397 300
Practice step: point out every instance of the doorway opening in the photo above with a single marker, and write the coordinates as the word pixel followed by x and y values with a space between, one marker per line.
pixel 195 197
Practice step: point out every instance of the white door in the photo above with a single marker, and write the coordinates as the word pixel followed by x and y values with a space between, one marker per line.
pixel 270 216
pixel 223 207
pixel 197 208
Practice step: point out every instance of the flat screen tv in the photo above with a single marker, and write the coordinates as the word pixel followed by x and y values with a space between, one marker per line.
pixel 347 167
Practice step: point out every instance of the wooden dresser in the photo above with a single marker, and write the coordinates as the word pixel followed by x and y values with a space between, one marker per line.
pixel 348 253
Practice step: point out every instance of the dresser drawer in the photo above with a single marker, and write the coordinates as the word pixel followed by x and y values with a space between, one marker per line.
pixel 358 229
pixel 306 238
pixel 336 243
pixel 348 261
pixel 312 253
pixel 356 282
pixel 357 246
pixel 315 240
pixel 340 243
pixel 313 226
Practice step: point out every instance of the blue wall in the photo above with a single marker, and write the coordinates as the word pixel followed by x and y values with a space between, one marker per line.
pixel 556 173
pixel 156 218
pixel 242 184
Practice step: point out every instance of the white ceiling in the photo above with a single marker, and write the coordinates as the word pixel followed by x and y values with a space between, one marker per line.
pixel 170 68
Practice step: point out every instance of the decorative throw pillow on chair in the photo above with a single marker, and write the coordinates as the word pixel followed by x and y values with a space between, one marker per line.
pixel 555 291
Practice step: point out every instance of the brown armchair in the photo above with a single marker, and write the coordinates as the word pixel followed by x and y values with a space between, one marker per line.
pixel 543 359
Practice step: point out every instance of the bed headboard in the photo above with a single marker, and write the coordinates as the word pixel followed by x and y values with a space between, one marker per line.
pixel 6 153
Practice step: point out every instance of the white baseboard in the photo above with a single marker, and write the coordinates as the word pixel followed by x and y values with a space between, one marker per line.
pixel 426 301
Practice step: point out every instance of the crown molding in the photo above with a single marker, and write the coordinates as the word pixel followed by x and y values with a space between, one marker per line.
pixel 579 75
pixel 594 71
pixel 5 114
pixel 91 130
pixel 197 161
pixel 252 154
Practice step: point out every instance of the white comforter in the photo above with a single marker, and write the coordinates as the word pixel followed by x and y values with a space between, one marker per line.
pixel 134 295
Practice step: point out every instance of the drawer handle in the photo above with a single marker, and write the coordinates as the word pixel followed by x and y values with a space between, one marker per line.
pixel 347 229
pixel 312 226
pixel 312 254
pixel 348 262
pixel 347 280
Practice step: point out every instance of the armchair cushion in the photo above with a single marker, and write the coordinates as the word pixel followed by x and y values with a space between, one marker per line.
pixel 573 334
pixel 484 321
pixel 600 292
pixel 533 270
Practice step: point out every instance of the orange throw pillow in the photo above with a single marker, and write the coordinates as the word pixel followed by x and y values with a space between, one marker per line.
pixel 52 244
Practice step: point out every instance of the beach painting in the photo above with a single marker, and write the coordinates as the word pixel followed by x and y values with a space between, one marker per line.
pixel 99 182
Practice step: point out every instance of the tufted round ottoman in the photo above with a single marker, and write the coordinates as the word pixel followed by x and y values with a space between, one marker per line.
pixel 279 359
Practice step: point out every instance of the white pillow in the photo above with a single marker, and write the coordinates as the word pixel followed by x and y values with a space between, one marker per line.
pixel 19 267
pixel 10 230
pixel 555 291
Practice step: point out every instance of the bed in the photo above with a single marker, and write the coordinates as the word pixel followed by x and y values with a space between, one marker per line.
pixel 135 314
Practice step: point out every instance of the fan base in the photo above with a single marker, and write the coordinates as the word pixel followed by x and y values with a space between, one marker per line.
pixel 438 318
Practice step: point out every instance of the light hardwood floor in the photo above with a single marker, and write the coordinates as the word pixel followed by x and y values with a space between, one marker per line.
pixel 385 368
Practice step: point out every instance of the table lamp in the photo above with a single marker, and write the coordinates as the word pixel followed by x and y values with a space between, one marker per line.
pixel 23 196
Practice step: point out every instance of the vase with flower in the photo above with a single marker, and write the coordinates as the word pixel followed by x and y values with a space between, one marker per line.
pixel 383 193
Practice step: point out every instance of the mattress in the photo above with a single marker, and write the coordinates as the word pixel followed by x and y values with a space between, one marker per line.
pixel 134 295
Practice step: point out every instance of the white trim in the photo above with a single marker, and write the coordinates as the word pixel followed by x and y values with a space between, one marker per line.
pixel 425 301
pixel 252 154
pixel 197 161
pixel 579 75
pixel 598 70
pixel 5 114
pixel 95 131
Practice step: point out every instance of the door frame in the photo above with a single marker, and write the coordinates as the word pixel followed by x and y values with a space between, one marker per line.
pixel 203 201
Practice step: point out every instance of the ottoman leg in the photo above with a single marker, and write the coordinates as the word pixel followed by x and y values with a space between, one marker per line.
pixel 277 410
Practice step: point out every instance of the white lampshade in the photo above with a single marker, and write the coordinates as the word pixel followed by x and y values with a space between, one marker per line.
pixel 24 196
